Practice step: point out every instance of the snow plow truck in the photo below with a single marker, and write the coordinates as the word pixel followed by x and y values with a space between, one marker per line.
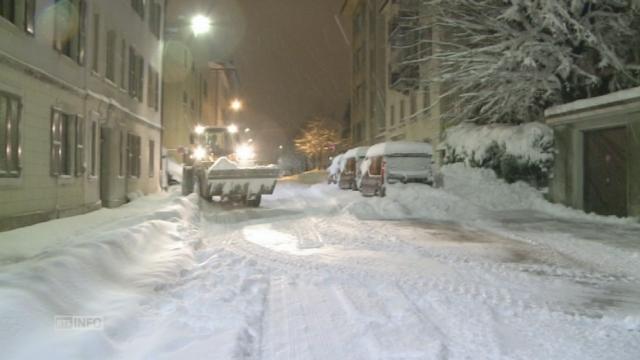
pixel 217 165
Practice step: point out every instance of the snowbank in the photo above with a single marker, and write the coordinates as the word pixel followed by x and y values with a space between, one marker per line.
pixel 175 170
pixel 531 142
pixel 469 194
pixel 99 274
pixel 399 147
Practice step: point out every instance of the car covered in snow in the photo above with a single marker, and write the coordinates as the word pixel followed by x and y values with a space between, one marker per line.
pixel 350 174
pixel 393 162
pixel 334 169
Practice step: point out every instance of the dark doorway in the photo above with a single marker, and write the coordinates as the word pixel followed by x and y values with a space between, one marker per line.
pixel 605 171
pixel 104 165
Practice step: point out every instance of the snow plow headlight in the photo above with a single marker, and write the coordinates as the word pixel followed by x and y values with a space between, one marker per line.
pixel 199 153
pixel 245 152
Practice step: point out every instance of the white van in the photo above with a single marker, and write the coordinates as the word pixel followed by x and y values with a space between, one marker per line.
pixel 398 161
pixel 350 174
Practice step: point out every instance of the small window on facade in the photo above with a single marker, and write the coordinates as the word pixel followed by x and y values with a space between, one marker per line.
pixel 10 108
pixel 392 115
pixel 402 114
pixel 110 71
pixel 94 149
pixel 96 43
pixel 426 98
pixel 413 103
pixel 123 64
pixel 152 158
pixel 63 143
pixel 29 16
pixel 69 39
pixel 138 6
pixel 80 166
pixel 123 154
pixel 8 10
pixel 133 155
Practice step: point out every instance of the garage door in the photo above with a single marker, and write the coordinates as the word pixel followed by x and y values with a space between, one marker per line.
pixel 605 164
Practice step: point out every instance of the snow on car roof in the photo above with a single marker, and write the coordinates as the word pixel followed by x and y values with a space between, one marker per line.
pixel 399 147
pixel 356 152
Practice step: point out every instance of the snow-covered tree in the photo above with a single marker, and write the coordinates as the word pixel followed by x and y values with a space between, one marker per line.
pixel 317 138
pixel 508 60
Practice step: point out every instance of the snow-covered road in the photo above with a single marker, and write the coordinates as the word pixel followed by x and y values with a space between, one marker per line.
pixel 321 274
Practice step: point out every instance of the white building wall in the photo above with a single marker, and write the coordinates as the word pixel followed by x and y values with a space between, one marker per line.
pixel 43 78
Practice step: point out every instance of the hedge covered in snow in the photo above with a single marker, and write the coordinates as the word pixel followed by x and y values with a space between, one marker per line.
pixel 515 152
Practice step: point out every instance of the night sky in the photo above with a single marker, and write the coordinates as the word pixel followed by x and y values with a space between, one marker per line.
pixel 292 59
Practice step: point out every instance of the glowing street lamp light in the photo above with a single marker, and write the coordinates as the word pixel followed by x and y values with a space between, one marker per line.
pixel 236 105
pixel 247 130
pixel 250 140
pixel 199 129
pixel 200 24
pixel 232 129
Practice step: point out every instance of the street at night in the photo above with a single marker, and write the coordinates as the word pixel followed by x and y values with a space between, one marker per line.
pixel 320 179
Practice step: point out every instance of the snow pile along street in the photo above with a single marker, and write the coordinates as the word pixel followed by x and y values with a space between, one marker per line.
pixel 480 269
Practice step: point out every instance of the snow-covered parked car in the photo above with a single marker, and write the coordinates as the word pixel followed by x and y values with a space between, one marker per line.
pixel 350 174
pixel 392 162
pixel 334 169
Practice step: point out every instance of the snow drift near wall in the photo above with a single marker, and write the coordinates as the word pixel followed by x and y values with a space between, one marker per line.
pixel 469 194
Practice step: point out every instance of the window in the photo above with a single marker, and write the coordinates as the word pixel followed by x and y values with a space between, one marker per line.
pixel 80 165
pixel 402 110
pixel 392 115
pixel 136 74
pixel 110 71
pixel 133 155
pixel 155 21
pixel 29 16
pixel 8 10
pixel 426 99
pixel 96 42
pixel 67 145
pixel 123 65
pixel 123 154
pixel 94 149
pixel 185 98
pixel 413 101
pixel 68 38
pixel 138 6
pixel 153 90
pixel 152 158
pixel 10 109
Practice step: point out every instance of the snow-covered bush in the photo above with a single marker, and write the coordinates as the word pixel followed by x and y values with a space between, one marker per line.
pixel 514 152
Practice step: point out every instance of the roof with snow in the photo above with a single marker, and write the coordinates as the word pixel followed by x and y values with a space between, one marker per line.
pixel 399 147
pixel 356 152
pixel 617 97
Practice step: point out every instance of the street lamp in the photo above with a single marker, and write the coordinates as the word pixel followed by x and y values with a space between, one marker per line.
pixel 247 130
pixel 200 24
pixel 236 105
pixel 232 129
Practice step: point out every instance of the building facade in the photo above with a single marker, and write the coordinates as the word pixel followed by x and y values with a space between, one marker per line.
pixel 394 96
pixel 80 120
pixel 197 90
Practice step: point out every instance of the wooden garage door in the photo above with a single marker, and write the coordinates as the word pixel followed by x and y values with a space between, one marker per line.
pixel 605 178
